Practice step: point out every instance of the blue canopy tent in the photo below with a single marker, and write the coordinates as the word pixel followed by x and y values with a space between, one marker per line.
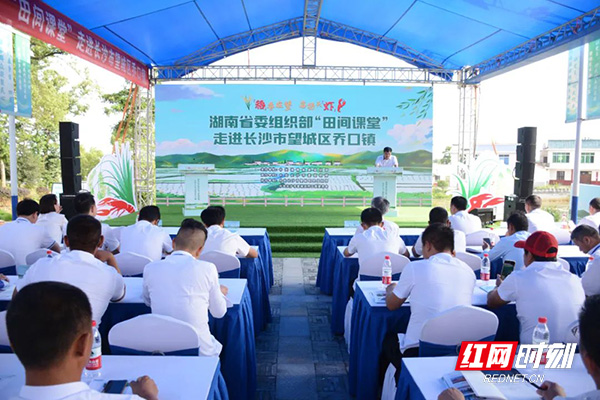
pixel 479 37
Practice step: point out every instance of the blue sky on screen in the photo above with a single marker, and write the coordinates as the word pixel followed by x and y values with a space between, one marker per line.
pixel 183 114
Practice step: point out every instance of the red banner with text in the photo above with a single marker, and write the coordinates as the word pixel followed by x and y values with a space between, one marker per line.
pixel 39 20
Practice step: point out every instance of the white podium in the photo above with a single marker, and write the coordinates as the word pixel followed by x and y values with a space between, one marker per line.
pixel 385 185
pixel 196 187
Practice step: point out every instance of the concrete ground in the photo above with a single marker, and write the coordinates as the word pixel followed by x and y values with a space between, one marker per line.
pixel 297 356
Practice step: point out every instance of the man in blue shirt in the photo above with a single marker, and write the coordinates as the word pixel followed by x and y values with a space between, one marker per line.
pixel 505 249
pixel 588 240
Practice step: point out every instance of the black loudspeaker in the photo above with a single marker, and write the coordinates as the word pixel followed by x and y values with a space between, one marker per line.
pixel 70 162
pixel 67 202
pixel 511 204
pixel 525 166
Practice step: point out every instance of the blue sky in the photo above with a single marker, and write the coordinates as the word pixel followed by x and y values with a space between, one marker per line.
pixel 183 114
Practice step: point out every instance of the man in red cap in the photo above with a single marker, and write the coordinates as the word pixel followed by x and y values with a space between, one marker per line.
pixel 542 289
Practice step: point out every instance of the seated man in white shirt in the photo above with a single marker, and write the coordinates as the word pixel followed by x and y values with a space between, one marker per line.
pixel 589 346
pixel 460 219
pixel 542 289
pixel 588 240
pixel 539 220
pixel 221 239
pixel 593 219
pixel 84 203
pixel 83 266
pixel 386 159
pixel 22 237
pixel 50 217
pixel 374 239
pixel 145 237
pixel 49 328
pixel 439 215
pixel 383 205
pixel 435 284
pixel 505 249
pixel 183 287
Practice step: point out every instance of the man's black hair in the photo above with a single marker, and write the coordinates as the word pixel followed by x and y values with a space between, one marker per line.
pixel 459 202
pixel 47 203
pixel 440 236
pixel 83 232
pixel 387 149
pixel 438 215
pixel 584 230
pixel 371 216
pixel 44 319
pixel 518 220
pixel 213 215
pixel 540 258
pixel 534 201
pixel 589 328
pixel 595 203
pixel 27 207
pixel 83 202
pixel 381 203
pixel 149 213
pixel 188 237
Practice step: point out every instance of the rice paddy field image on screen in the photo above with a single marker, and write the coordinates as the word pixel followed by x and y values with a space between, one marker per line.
pixel 313 142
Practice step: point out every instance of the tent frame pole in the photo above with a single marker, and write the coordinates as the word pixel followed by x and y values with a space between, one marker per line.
pixel 14 182
pixel 577 161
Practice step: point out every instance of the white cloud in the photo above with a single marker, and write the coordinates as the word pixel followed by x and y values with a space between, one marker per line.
pixel 413 136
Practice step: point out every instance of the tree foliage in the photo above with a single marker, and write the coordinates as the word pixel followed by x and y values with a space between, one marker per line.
pixel 89 159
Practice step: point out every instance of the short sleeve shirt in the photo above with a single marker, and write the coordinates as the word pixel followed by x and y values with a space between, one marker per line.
pixel 145 239
pixel 375 240
pixel 540 220
pixel 544 289
pixel 390 162
pixel 465 222
pixel 69 391
pixel 21 237
pixel 505 249
pixel 460 243
pixel 591 277
pixel 100 282
pixel 591 220
pixel 221 239
pixel 432 286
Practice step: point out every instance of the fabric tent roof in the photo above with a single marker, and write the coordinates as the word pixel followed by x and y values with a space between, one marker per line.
pixel 449 33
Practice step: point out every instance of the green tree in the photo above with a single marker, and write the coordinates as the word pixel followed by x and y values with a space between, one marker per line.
pixel 89 159
pixel 446 157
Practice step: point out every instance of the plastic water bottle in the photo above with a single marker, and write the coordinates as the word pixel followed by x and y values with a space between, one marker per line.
pixel 564 222
pixel 541 334
pixel 93 369
pixel 386 271
pixel 48 253
pixel 484 272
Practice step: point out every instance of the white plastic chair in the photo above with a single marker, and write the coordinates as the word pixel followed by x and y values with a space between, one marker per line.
pixel 31 258
pixel 6 259
pixel 473 261
pixel 223 261
pixel 4 342
pixel 476 238
pixel 372 265
pixel 161 335
pixel 562 236
pixel 132 264
pixel 449 328
pixel 564 263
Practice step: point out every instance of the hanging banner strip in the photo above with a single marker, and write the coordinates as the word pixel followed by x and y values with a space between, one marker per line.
pixel 39 20
pixel 7 91
pixel 593 83
pixel 572 82
pixel 23 75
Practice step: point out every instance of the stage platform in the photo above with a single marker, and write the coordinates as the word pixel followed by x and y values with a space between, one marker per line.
pixel 294 231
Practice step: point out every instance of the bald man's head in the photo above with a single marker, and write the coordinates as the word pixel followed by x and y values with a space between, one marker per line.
pixel 190 237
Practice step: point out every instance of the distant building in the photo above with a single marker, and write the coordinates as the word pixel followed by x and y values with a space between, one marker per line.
pixel 559 156
pixel 337 163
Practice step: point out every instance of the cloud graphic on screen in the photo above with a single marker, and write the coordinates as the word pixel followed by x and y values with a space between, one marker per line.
pixel 413 135
pixel 184 92
pixel 176 110
pixel 185 146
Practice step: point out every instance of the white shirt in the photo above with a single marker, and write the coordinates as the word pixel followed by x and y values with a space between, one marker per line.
pixel 593 395
pixel 228 242
pixel 590 280
pixel 187 289
pixel 21 238
pixel 591 220
pixel 54 223
pixel 465 222
pixel 390 162
pixel 434 285
pixel 111 237
pixel 145 239
pixel 505 249
pixel 375 240
pixel 460 243
pixel 544 289
pixel 540 220
pixel 72 390
pixel 100 282
pixel 390 226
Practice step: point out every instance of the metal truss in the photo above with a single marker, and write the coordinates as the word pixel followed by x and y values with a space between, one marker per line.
pixel 143 149
pixel 312 13
pixel 299 73
pixel 290 29
pixel 577 28
pixel 468 113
